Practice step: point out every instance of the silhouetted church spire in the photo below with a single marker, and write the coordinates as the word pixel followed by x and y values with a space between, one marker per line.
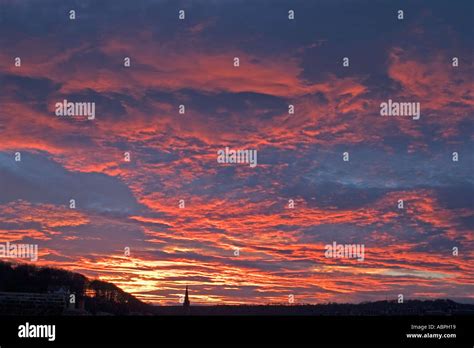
pixel 186 302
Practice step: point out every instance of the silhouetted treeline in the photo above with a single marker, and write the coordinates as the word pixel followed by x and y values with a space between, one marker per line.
pixel 379 308
pixel 98 296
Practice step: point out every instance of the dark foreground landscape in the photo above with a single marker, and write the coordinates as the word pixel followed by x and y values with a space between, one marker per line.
pixel 30 290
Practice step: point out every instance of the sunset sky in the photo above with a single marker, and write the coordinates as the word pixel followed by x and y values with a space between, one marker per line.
pixel 134 204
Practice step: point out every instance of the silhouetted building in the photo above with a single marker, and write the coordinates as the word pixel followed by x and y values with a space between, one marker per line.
pixel 186 302
pixel 27 303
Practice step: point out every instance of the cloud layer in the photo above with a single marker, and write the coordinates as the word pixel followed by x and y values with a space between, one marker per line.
pixel 190 62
